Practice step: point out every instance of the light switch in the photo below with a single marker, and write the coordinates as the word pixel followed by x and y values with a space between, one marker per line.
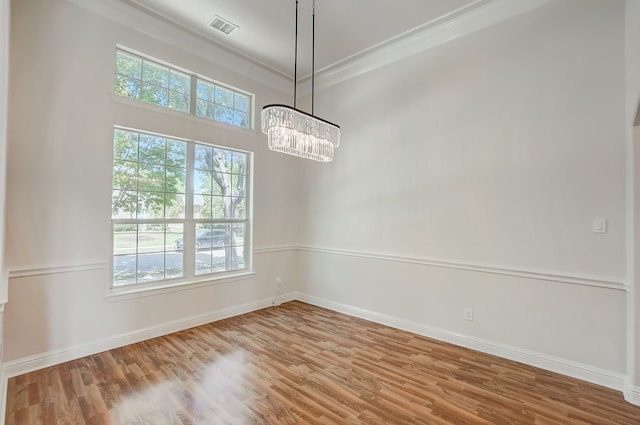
pixel 599 225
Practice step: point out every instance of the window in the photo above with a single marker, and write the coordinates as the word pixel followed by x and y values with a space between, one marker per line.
pixel 150 81
pixel 142 79
pixel 179 208
pixel 219 208
pixel 221 104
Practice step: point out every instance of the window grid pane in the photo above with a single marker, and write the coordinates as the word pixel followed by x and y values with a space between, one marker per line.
pixel 222 104
pixel 219 247
pixel 146 252
pixel 148 210
pixel 151 82
pixel 219 181
pixel 143 79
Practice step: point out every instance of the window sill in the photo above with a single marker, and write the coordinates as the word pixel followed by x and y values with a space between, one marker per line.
pixel 116 98
pixel 135 291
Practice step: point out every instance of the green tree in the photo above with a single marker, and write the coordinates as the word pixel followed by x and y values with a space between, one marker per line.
pixel 128 75
pixel 149 174
pixel 151 82
pixel 222 105
pixel 229 176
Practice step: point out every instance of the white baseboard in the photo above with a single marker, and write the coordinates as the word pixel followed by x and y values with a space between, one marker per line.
pixel 576 370
pixel 632 394
pixel 3 394
pixel 54 357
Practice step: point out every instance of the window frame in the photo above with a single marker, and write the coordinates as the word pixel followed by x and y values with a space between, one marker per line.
pixel 194 77
pixel 215 104
pixel 189 225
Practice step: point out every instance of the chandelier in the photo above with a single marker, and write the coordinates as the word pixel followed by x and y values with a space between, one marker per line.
pixel 294 132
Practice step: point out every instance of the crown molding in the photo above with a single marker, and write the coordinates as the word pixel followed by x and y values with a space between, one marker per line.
pixel 179 37
pixel 429 36
pixel 477 16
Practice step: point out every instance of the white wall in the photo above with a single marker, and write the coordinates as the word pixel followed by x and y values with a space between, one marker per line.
pixel 59 176
pixel 633 189
pixel 469 176
pixel 4 93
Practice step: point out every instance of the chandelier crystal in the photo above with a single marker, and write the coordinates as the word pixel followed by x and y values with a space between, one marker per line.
pixel 297 133
pixel 294 132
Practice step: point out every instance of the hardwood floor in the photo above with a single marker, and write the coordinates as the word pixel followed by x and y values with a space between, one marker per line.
pixel 299 364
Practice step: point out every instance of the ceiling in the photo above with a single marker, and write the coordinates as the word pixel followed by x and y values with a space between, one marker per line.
pixel 344 28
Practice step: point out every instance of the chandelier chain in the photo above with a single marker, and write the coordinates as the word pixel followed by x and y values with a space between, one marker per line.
pixel 295 64
pixel 313 57
pixel 294 132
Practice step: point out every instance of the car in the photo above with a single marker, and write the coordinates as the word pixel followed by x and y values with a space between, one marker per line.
pixel 205 238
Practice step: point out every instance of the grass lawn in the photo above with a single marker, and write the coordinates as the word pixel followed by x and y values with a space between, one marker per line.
pixel 152 241
pixel 149 241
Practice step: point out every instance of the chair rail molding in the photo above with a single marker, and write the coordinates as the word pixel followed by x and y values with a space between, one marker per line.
pixel 595 281
pixel 20 272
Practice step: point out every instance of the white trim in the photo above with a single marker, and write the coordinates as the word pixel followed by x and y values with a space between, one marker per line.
pixel 116 295
pixel 476 267
pixel 188 41
pixel 397 40
pixel 424 261
pixel 46 270
pixel 5 23
pixel 61 355
pixel 631 221
pixel 20 272
pixel 429 36
pixel 272 249
pixel 128 292
pixel 554 364
pixel 478 15
pixel 632 394
pixel 595 281
pixel 3 400
pixel 124 100
pixel 189 279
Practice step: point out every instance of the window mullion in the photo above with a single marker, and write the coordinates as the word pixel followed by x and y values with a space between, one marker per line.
pixel 189 254
pixel 194 94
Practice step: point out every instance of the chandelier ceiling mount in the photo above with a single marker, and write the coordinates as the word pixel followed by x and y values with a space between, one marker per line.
pixel 295 132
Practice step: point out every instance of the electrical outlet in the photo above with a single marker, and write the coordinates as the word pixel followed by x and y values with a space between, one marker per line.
pixel 278 281
pixel 468 314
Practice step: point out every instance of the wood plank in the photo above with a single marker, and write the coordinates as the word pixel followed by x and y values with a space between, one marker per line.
pixel 299 364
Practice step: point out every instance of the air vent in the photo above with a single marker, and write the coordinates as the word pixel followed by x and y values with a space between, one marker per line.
pixel 222 24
